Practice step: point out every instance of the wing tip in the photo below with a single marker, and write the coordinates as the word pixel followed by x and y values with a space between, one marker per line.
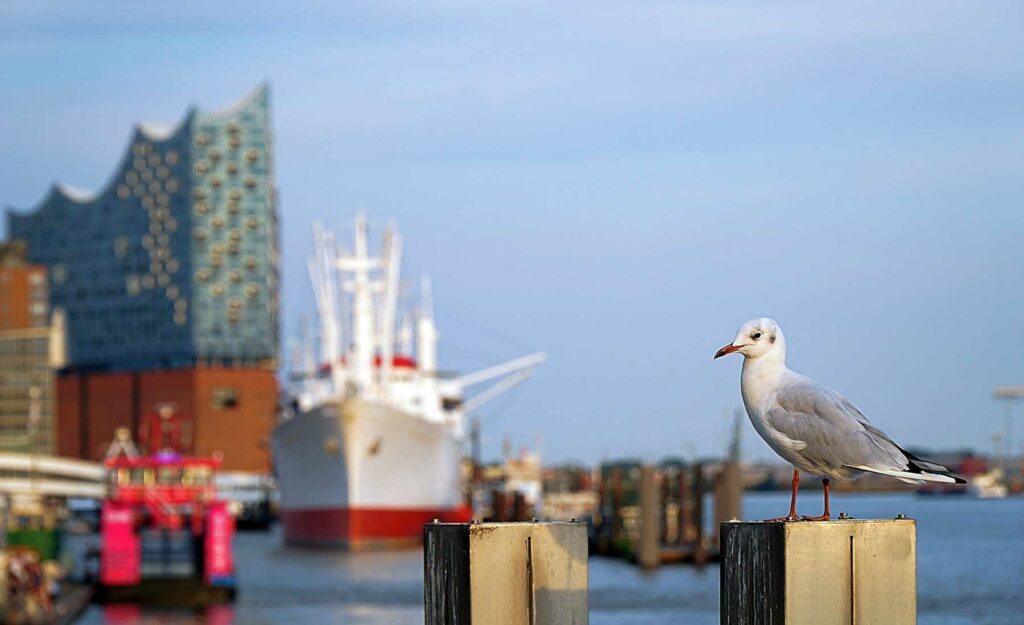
pixel 917 477
pixel 935 470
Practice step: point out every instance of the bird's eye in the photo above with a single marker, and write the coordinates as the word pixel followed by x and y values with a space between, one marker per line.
pixel 755 335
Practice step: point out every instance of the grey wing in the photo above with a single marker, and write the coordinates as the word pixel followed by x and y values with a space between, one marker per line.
pixel 835 434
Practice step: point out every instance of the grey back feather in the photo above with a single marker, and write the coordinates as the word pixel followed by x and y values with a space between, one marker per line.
pixel 835 432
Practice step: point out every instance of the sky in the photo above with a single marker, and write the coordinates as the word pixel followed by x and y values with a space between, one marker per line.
pixel 619 184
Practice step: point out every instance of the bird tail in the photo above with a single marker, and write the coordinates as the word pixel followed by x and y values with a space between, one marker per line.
pixel 914 477
pixel 917 465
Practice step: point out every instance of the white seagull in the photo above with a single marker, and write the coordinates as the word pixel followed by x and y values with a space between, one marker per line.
pixel 811 426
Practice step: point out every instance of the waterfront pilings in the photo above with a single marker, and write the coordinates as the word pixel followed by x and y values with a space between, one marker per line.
pixel 659 518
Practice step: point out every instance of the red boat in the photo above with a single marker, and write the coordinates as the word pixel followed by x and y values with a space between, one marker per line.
pixel 166 538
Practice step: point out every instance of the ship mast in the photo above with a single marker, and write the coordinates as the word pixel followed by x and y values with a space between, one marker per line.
pixel 357 299
pixel 426 331
pixel 359 264
pixel 386 328
pixel 322 275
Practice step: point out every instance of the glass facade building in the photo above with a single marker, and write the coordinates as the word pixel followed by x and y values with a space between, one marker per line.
pixel 175 262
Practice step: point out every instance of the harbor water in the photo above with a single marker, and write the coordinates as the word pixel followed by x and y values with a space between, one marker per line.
pixel 970 572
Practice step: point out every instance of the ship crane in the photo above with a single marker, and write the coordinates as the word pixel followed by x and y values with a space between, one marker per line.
pixel 514 373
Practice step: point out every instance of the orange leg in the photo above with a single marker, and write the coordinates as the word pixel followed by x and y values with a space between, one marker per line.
pixel 824 517
pixel 792 502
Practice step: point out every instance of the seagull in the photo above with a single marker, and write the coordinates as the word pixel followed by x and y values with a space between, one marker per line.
pixel 812 427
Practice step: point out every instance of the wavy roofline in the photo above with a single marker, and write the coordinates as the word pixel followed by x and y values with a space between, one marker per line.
pixel 149 131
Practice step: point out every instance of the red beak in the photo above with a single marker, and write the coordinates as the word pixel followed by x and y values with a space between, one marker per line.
pixel 728 349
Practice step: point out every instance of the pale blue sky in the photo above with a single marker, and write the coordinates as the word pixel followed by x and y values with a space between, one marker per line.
pixel 620 184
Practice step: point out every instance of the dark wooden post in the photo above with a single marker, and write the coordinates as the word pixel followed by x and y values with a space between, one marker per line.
pixel 519 512
pixel 505 573
pixel 477 475
pixel 601 527
pixel 666 496
pixel 825 573
pixel 499 506
pixel 685 528
pixel 700 555
pixel 617 503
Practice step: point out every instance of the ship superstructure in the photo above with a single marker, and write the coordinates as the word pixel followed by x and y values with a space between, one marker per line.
pixel 371 447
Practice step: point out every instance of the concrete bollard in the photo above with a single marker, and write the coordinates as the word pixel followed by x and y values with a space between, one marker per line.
pixel 505 574
pixel 845 572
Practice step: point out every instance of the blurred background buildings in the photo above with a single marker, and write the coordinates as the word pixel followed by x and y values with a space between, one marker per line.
pixel 31 348
pixel 168 277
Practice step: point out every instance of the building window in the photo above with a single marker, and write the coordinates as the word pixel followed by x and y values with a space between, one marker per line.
pixel 59 273
pixel 225 398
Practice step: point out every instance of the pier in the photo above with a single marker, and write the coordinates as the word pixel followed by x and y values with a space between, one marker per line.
pixel 655 515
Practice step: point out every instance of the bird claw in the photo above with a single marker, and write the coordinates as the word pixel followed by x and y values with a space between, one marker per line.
pixel 823 517
pixel 782 519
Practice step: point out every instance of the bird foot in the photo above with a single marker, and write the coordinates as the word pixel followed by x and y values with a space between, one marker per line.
pixel 823 517
pixel 782 519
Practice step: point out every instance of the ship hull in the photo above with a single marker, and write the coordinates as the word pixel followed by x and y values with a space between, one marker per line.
pixel 363 475
pixel 364 528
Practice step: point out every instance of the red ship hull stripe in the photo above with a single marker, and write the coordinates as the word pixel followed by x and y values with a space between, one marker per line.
pixel 355 525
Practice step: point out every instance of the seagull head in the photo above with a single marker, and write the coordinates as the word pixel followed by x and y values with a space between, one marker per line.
pixel 757 338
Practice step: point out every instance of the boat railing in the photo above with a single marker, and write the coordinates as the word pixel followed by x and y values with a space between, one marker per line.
pixel 138 493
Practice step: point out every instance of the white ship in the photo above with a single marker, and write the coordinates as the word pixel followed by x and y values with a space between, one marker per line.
pixel 372 445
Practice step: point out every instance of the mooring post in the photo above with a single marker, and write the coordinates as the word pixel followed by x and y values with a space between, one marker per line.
pixel 728 495
pixel 519 511
pixel 499 505
pixel 685 512
pixel 664 520
pixel 617 503
pixel 648 554
pixel 845 572
pixel 700 553
pixel 505 573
